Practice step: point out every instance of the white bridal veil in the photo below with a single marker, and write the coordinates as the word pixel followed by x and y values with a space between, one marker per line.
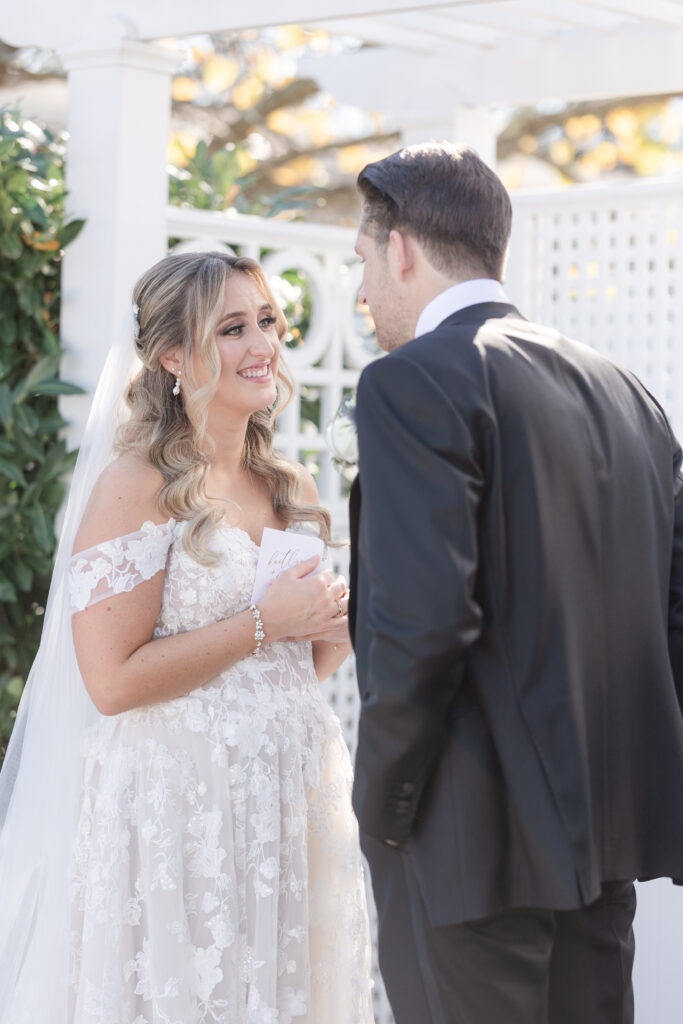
pixel 39 783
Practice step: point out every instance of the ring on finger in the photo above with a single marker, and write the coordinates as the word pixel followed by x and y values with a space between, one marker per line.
pixel 339 606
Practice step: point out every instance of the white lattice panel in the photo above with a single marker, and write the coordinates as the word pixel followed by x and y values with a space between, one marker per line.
pixel 601 264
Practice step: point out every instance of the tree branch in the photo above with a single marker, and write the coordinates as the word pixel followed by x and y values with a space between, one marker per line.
pixel 528 122
pixel 289 95
pixel 261 176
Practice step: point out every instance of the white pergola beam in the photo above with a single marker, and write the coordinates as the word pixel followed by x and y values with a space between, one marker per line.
pixel 571 15
pixel 435 73
pixel 511 63
pixel 505 21
pixel 45 23
pixel 215 15
pixel 663 12
pixel 584 66
pixel 442 29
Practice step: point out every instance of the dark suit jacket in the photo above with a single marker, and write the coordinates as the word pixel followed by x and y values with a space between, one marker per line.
pixel 517 583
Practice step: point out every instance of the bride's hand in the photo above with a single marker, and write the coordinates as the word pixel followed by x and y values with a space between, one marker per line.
pixel 298 606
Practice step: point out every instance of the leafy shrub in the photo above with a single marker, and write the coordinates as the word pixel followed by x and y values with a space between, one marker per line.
pixel 213 180
pixel 208 181
pixel 33 459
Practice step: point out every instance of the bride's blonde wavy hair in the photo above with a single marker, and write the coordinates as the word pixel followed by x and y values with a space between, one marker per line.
pixel 180 301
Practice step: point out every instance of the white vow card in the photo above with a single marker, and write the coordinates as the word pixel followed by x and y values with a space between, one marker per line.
pixel 279 551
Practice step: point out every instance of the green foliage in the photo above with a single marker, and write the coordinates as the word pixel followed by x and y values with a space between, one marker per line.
pixel 214 180
pixel 33 459
pixel 293 292
pixel 208 181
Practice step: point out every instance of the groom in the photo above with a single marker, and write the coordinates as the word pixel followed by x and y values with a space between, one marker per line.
pixel 517 616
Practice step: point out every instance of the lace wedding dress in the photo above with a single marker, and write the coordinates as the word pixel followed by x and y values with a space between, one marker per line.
pixel 216 871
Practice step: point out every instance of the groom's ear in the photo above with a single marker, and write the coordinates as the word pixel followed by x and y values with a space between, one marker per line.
pixel 401 253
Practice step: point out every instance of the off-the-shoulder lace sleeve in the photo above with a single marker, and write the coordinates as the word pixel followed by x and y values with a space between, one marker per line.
pixel 117 566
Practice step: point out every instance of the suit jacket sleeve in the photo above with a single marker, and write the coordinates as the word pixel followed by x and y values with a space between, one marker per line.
pixel 421 479
pixel 676 579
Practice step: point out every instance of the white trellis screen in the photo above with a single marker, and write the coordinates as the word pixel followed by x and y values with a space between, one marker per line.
pixel 601 264
pixel 604 266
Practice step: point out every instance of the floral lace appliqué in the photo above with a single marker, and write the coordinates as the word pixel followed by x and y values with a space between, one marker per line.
pixel 117 566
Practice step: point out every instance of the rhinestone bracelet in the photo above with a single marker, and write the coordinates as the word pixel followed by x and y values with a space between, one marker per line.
pixel 259 635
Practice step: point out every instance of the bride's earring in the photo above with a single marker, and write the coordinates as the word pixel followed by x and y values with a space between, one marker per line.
pixel 176 389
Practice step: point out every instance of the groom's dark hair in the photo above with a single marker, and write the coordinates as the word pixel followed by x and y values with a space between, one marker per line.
pixel 447 198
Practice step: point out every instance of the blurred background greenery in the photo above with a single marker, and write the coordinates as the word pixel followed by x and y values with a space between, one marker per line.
pixel 33 458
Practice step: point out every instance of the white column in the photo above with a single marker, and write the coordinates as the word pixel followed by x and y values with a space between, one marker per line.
pixel 118 121
pixel 477 127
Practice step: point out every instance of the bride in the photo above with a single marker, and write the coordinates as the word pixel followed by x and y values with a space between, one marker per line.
pixel 178 843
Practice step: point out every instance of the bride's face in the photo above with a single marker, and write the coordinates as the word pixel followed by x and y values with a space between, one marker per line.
pixel 248 346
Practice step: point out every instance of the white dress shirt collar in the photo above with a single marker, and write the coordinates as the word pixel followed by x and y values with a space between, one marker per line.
pixel 458 296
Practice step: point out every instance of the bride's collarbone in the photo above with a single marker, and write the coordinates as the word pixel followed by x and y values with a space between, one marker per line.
pixel 250 519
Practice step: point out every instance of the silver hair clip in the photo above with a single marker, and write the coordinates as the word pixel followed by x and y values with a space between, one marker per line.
pixel 136 320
